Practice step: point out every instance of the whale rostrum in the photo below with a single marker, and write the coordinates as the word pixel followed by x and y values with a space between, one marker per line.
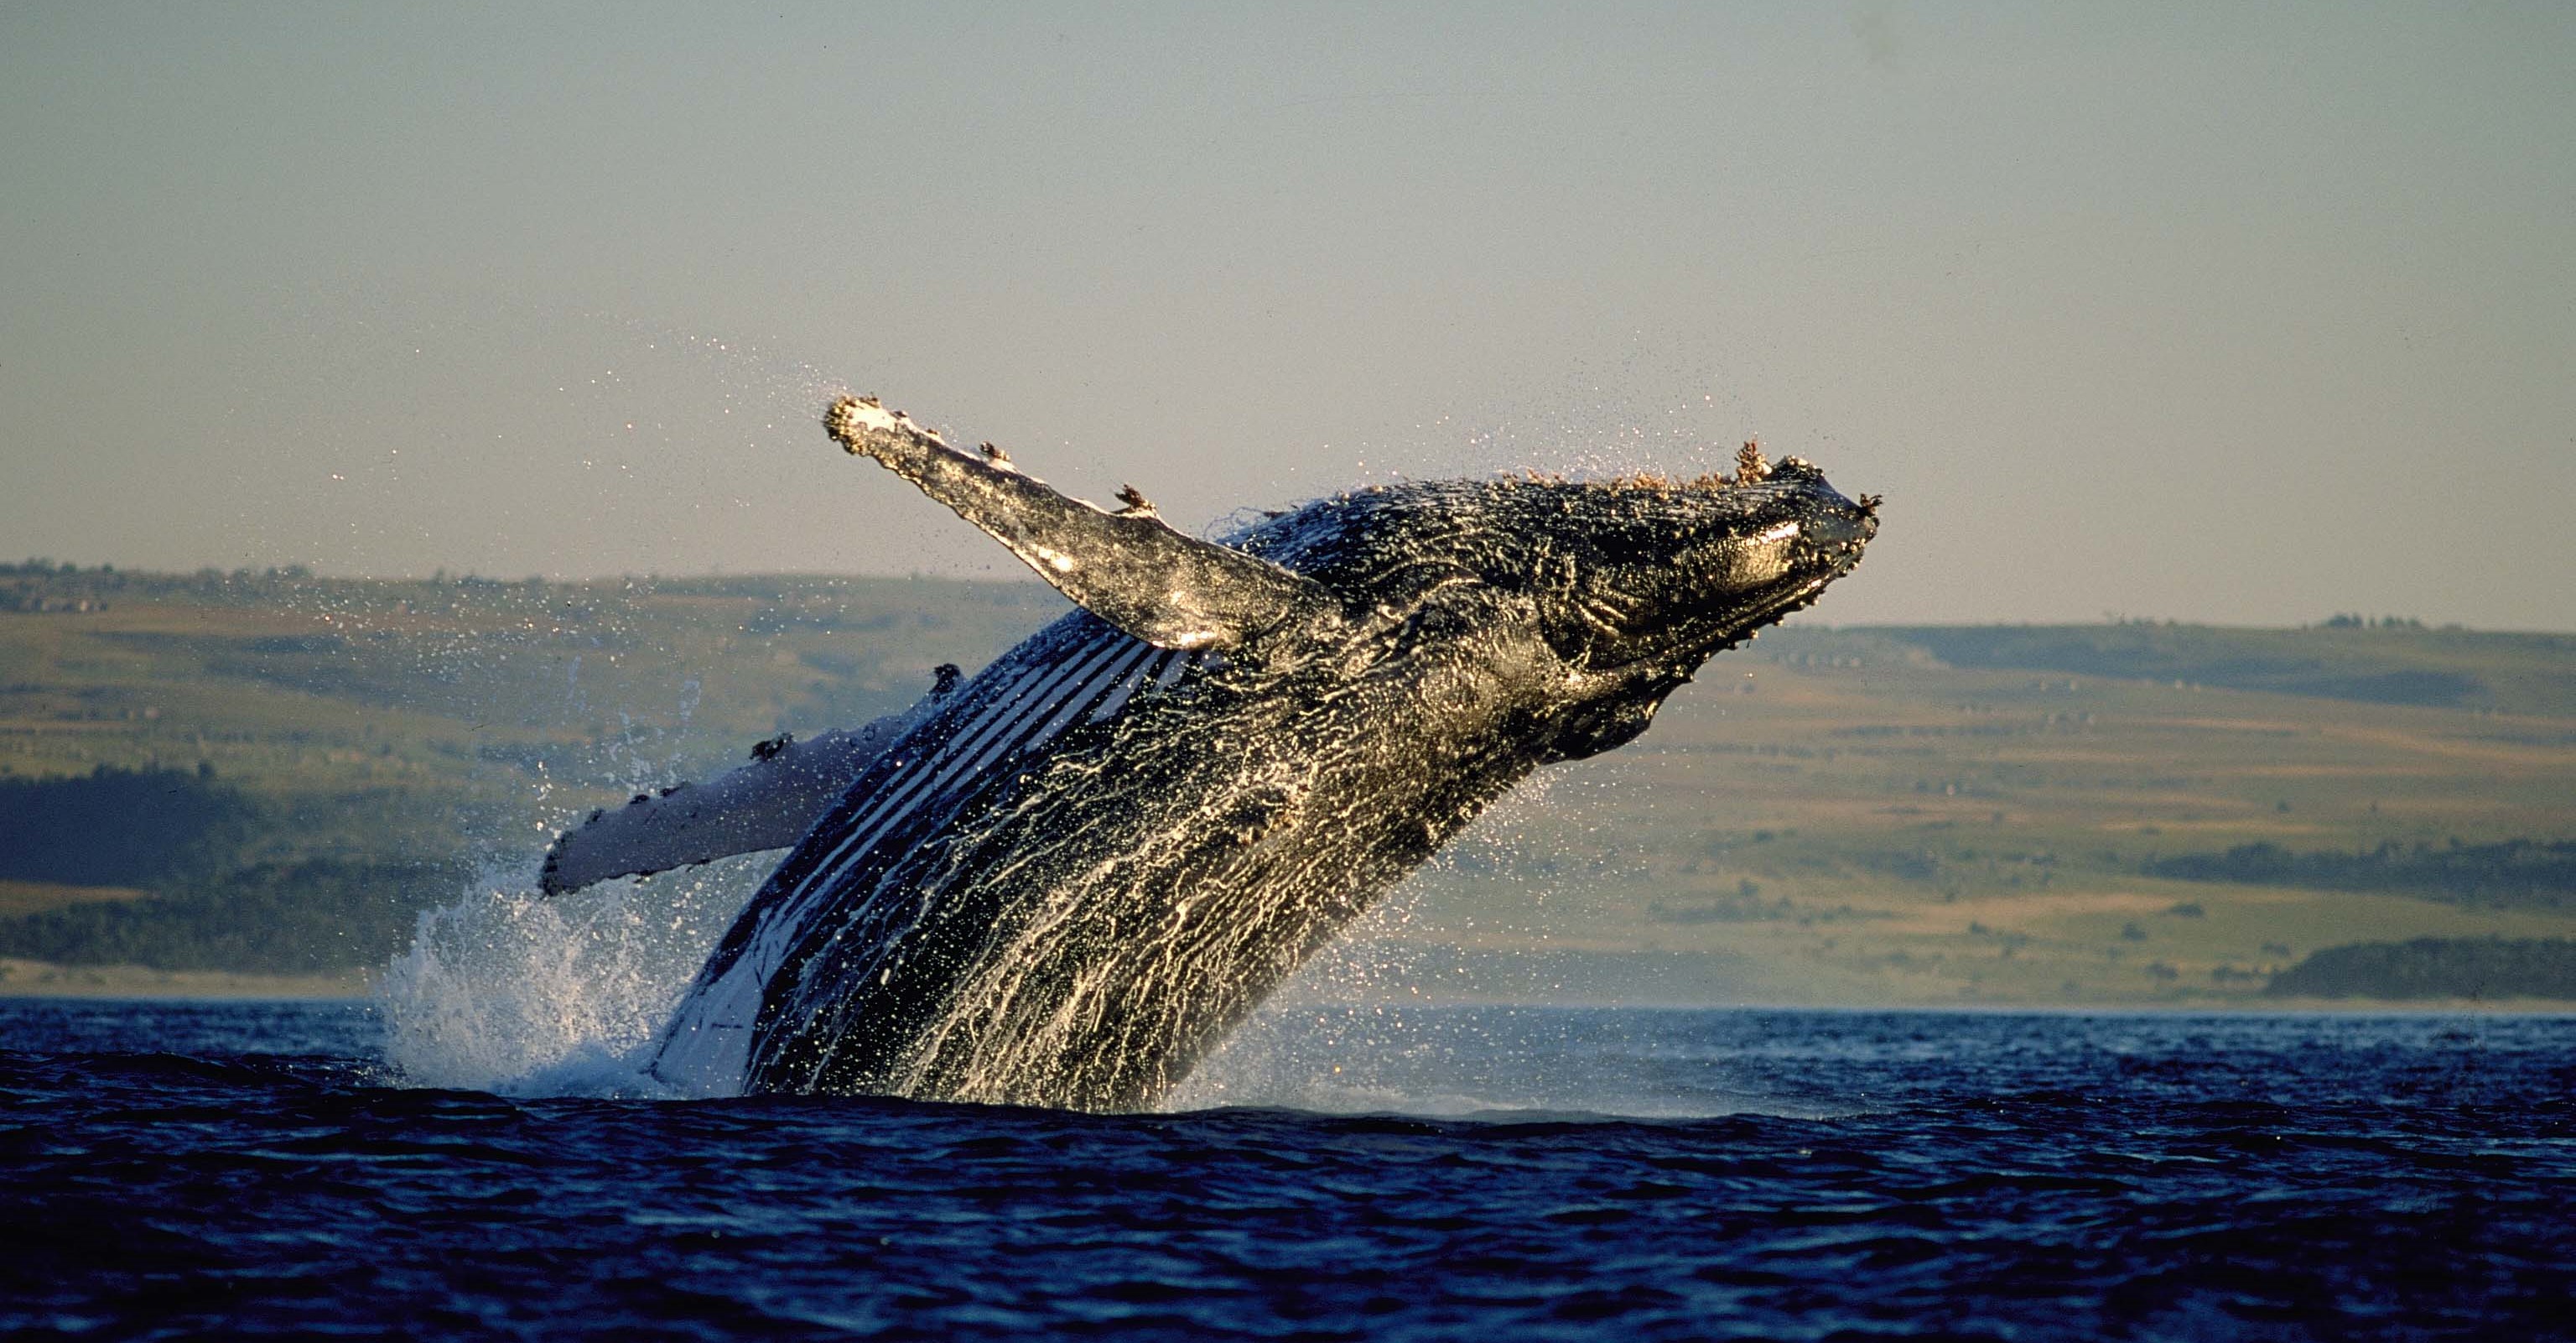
pixel 1065 879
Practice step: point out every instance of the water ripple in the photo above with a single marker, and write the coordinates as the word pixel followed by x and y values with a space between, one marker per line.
pixel 1978 1175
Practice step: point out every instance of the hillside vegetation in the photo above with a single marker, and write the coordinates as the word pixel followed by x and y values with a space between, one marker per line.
pixel 83 829
pixel 2394 663
pixel 2119 813
pixel 2436 968
pixel 2518 872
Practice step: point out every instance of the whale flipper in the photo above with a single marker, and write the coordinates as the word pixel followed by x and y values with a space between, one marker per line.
pixel 1128 567
pixel 767 804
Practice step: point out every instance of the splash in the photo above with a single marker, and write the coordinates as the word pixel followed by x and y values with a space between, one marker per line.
pixel 1463 1061
pixel 515 993
pixel 1355 1032
pixel 1387 1020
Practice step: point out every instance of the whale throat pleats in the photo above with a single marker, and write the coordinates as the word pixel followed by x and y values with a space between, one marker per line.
pixel 861 855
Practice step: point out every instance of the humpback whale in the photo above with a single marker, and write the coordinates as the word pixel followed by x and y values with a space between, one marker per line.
pixel 1063 881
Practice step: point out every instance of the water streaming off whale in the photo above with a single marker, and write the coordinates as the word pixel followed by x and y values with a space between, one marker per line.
pixel 1073 877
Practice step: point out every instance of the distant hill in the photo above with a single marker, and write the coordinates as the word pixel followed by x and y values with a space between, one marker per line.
pixel 115 827
pixel 2398 664
pixel 377 741
pixel 318 914
pixel 271 770
pixel 2516 872
pixel 2435 968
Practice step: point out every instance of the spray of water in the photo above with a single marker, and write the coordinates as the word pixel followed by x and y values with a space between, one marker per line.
pixel 511 992
pixel 1386 1020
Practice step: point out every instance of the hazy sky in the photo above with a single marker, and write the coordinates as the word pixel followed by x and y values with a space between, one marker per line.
pixel 2222 313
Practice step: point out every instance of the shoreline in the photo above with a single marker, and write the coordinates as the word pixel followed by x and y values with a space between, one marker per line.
pixel 26 979
pixel 45 979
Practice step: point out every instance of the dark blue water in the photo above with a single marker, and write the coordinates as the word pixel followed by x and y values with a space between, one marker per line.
pixel 236 1170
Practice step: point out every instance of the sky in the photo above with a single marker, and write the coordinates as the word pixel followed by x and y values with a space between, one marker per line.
pixel 2230 313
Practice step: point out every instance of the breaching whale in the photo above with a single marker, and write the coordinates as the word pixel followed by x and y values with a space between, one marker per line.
pixel 1063 881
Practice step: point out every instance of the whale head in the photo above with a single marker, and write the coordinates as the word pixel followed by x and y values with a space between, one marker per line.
pixel 1650 576
pixel 1632 584
pixel 1624 587
pixel 1638 582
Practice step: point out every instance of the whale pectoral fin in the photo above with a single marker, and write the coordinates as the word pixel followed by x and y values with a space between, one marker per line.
pixel 1127 567
pixel 767 804
pixel 751 809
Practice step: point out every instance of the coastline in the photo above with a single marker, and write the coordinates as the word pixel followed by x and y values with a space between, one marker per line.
pixel 21 978
pixel 44 979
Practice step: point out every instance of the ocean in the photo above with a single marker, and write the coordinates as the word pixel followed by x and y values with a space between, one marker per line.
pixel 235 1170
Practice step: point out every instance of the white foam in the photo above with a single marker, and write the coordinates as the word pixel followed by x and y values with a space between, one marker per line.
pixel 511 992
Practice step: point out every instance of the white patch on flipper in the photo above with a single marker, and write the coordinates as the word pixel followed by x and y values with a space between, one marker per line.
pixel 852 416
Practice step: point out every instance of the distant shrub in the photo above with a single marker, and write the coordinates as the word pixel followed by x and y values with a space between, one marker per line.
pixel 2203 656
pixel 2516 872
pixel 282 918
pixel 2435 968
pixel 115 827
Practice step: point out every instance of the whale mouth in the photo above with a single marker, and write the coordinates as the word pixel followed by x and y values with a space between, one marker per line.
pixel 1815 551
pixel 1830 544
pixel 1741 574
pixel 1836 537
pixel 1794 593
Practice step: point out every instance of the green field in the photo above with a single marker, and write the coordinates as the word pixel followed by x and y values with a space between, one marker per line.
pixel 1857 816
